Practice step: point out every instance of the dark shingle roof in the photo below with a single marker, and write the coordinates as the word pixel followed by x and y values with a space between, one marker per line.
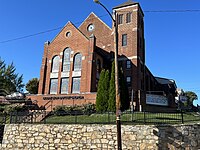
pixel 128 3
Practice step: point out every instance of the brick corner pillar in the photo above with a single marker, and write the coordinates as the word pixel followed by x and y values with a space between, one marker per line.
pixel 43 69
pixel 90 69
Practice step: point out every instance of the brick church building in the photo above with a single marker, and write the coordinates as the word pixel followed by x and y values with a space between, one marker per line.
pixel 72 62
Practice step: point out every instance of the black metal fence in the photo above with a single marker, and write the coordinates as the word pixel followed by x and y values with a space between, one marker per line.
pixel 77 117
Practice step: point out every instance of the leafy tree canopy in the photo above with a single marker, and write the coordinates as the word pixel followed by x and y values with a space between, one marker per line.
pixel 10 81
pixel 191 97
pixel 32 86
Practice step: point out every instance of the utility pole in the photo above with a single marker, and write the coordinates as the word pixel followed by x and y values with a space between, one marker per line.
pixel 118 101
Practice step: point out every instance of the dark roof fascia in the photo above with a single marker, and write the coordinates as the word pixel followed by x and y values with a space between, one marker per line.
pixel 171 80
pixel 102 53
pixel 125 5
pixel 146 68
pixel 165 79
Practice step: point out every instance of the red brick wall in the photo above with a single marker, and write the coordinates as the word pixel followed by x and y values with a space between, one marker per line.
pixel 88 98
pixel 102 32
pixel 86 42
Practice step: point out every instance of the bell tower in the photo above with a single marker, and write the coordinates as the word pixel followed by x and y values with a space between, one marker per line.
pixel 131 46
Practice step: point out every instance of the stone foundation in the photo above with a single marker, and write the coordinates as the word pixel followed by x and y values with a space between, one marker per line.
pixel 92 137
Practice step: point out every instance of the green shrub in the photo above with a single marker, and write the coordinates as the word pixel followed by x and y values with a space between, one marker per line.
pixel 59 110
pixel 64 109
pixel 14 108
pixel 100 101
pixel 2 107
pixel 89 108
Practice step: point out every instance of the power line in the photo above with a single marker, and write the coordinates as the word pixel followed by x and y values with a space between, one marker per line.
pixel 51 30
pixel 172 11
pixel 30 35
pixel 42 32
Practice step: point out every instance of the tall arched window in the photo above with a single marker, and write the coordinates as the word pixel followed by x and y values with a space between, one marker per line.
pixel 66 60
pixel 77 62
pixel 55 64
pixel 55 69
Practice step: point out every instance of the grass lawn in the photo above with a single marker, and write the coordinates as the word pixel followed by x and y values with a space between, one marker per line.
pixel 135 118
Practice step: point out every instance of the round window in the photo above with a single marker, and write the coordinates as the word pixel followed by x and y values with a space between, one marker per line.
pixel 90 27
pixel 68 34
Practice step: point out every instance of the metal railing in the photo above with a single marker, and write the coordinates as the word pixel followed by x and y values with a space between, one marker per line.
pixel 78 117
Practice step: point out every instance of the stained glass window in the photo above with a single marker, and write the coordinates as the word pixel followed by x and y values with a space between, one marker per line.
pixel 64 85
pixel 77 62
pixel 55 64
pixel 66 60
pixel 53 86
pixel 76 85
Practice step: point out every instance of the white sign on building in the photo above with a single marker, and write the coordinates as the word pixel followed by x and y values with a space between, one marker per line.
pixel 156 100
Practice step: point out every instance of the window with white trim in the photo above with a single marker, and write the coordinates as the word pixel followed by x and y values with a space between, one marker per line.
pixel 53 86
pixel 55 64
pixel 77 62
pixel 76 84
pixel 64 85
pixel 66 60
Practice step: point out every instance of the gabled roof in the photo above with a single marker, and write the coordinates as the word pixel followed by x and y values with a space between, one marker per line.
pixel 128 3
pixel 94 15
pixel 69 23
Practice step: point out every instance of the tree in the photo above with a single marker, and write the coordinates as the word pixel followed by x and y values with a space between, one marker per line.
pixel 102 92
pixel 124 94
pixel 2 70
pixel 32 86
pixel 9 80
pixel 112 91
pixel 191 96
pixel 106 83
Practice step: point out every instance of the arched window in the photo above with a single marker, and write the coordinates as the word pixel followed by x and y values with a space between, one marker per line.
pixel 77 62
pixel 66 60
pixel 55 64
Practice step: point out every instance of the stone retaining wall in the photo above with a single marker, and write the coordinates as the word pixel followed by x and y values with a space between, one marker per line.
pixel 91 137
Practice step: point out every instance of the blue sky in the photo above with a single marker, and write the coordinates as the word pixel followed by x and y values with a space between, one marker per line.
pixel 172 39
